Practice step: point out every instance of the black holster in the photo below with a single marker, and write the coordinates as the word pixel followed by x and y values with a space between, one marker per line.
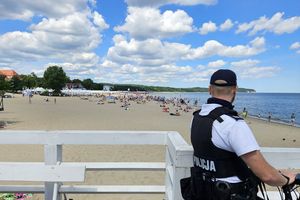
pixel 194 187
pixel 202 186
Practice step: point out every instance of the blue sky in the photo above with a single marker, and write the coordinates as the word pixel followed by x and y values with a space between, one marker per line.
pixel 177 43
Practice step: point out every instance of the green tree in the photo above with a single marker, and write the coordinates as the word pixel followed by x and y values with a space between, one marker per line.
pixel 40 82
pixel 88 84
pixel 97 86
pixel 15 84
pixel 55 78
pixel 76 81
pixel 3 85
pixel 30 80
pixel 68 80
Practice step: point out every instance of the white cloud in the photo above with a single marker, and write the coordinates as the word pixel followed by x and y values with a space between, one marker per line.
pixel 108 64
pixel 226 25
pixel 26 9
pixel 217 63
pixel 147 61
pixel 245 63
pixel 86 59
pixel 150 23
pixel 164 70
pixel 74 32
pixel 207 28
pixel 74 70
pixel 157 3
pixel 250 69
pixel 199 75
pixel 210 26
pixel 154 52
pixel 213 47
pixel 137 60
pixel 295 45
pixel 70 39
pixel 276 24
pixel 259 72
pixel 99 21
pixel 150 52
pixel 129 73
pixel 258 42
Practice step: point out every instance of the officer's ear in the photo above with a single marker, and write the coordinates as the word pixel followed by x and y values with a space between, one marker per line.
pixel 234 90
pixel 209 89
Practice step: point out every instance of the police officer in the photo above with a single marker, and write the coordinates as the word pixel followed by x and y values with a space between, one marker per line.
pixel 228 163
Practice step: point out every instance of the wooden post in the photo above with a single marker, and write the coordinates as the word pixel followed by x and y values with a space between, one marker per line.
pixel 177 165
pixel 52 155
pixel 1 104
pixel 173 175
pixel 169 176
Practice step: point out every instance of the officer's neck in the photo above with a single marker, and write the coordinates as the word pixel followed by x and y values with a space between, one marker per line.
pixel 222 101
pixel 224 97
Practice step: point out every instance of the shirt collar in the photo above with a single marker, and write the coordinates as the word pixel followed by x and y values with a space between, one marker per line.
pixel 221 102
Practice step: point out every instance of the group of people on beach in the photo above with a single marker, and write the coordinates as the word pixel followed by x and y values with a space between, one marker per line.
pixel 125 99
pixel 176 105
pixel 292 118
pixel 292 121
pixel 179 104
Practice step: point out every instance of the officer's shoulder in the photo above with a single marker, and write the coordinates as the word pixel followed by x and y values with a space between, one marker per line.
pixel 232 118
pixel 236 117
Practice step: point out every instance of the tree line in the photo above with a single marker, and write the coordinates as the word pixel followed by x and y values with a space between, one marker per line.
pixel 55 78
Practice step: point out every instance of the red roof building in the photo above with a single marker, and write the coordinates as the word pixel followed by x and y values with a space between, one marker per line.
pixel 8 73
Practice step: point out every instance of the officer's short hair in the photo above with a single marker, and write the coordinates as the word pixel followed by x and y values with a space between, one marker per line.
pixel 222 90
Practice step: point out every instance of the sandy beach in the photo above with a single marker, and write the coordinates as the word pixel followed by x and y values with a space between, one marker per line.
pixel 73 113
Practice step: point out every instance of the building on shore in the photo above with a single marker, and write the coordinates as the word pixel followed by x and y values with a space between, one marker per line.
pixel 8 73
pixel 107 87
pixel 70 86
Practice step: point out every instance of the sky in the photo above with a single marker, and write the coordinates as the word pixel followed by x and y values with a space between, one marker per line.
pixel 176 43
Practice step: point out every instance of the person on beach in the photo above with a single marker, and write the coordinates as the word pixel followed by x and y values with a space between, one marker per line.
pixel 228 164
pixel 269 117
pixel 176 113
pixel 244 113
pixel 293 119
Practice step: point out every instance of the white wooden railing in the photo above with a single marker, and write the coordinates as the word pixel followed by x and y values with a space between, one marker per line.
pixel 53 171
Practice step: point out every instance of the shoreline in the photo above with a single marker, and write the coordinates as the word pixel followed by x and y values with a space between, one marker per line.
pixel 275 121
pixel 282 116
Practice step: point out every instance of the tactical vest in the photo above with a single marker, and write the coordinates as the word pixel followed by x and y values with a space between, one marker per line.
pixel 207 157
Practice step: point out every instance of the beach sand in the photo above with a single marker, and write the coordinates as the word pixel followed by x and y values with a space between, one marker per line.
pixel 73 113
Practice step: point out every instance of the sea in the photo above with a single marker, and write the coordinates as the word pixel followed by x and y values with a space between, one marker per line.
pixel 280 105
